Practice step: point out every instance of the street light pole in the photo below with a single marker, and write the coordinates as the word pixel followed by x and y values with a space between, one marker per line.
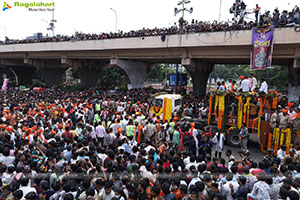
pixel 116 25
pixel 52 21
pixel 183 9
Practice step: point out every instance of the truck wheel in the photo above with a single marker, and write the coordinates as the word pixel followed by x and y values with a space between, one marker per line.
pixel 233 138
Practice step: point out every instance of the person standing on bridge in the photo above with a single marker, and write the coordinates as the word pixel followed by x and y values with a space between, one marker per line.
pixel 256 11
pixel 244 136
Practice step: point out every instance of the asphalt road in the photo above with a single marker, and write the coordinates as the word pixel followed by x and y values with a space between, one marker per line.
pixel 253 147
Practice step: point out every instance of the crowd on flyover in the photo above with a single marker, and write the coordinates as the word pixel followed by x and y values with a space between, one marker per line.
pixel 59 145
pixel 278 19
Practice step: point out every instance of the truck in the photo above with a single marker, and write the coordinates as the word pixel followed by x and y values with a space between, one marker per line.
pixel 165 105
pixel 228 110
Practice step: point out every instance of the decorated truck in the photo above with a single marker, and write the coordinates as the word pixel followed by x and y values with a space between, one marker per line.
pixel 229 110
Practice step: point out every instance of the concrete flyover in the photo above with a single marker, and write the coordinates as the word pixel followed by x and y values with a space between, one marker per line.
pixel 198 52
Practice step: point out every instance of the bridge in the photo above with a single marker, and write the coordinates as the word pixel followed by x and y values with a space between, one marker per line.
pixel 198 52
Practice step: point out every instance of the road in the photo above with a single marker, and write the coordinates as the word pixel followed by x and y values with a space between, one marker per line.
pixel 253 148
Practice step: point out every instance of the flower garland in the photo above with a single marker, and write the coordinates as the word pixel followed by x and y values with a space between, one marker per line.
pixel 156 110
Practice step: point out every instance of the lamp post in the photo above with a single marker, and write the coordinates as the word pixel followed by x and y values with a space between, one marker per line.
pixel 51 24
pixel 116 24
pixel 183 9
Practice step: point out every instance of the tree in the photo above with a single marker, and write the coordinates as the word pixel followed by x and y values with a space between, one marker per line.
pixel 159 72
pixel 112 77
pixel 276 77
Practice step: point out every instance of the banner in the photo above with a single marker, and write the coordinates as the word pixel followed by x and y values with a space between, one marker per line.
pixel 182 80
pixel 4 86
pixel 262 41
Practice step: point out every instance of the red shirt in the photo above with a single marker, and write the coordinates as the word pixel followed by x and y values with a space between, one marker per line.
pixel 67 134
pixel 257 171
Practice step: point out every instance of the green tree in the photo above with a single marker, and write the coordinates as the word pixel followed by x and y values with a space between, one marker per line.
pixel 112 77
pixel 158 73
pixel 276 77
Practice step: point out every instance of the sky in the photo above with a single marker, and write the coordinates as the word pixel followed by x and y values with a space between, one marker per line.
pixel 95 16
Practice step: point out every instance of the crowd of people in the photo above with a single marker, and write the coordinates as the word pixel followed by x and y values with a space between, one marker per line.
pixel 59 145
pixel 240 21
pixel 246 85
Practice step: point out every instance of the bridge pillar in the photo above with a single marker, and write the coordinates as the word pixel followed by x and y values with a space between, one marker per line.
pixel 88 71
pixel 136 71
pixel 199 72
pixel 24 74
pixel 52 76
pixel 52 71
pixel 294 81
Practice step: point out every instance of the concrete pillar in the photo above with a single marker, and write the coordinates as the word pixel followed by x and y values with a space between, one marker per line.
pixel 136 71
pixel 88 71
pixel 52 71
pixel 24 74
pixel 199 72
pixel 52 76
pixel 294 83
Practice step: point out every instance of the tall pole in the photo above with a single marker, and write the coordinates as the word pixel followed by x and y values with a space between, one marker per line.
pixel 53 23
pixel 116 23
pixel 209 83
pixel 176 80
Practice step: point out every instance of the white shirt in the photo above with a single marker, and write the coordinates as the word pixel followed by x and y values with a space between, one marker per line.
pixel 102 156
pixel 264 87
pixel 291 114
pixel 100 131
pixel 245 85
pixel 281 154
pixel 195 164
pixel 124 124
pixel 195 133
pixel 148 148
pixel 254 83
pixel 27 189
pixel 222 88
pixel 8 160
pixel 149 175
pixel 114 127
pixel 193 182
pixel 226 190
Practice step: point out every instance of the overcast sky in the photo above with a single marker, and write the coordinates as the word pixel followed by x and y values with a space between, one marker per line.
pixel 95 16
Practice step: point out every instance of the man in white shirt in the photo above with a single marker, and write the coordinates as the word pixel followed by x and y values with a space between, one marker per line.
pixel 245 85
pixel 25 188
pixel 192 162
pixel 264 87
pixel 253 82
pixel 115 126
pixel 281 153
pixel 148 174
pixel 124 123
pixel 226 190
pixel 100 132
pixel 291 113
pixel 8 160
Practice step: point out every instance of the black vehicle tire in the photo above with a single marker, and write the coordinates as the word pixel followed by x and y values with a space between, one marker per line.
pixel 233 138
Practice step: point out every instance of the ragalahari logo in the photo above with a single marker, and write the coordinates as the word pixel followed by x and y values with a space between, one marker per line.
pixel 6 6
